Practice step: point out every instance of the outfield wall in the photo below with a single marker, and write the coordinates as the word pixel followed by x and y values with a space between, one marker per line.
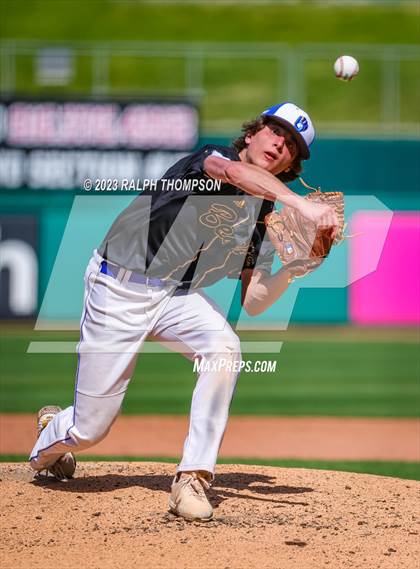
pixel 386 169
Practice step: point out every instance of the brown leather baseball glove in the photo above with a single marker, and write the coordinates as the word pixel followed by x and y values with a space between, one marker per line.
pixel 300 244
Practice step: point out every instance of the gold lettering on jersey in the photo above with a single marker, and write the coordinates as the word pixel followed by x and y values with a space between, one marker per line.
pixel 239 203
pixel 217 215
pixel 223 220
pixel 224 232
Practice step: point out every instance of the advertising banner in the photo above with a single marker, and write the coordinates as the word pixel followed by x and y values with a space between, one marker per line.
pixel 18 266
pixel 58 145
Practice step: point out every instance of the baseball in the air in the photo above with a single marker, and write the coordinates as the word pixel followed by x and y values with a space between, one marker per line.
pixel 346 67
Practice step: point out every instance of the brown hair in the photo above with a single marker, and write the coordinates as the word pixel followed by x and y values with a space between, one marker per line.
pixel 252 127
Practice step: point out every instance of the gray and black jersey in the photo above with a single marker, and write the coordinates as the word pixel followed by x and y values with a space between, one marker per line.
pixel 189 229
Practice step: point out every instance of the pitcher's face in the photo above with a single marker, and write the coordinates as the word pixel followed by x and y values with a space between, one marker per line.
pixel 272 148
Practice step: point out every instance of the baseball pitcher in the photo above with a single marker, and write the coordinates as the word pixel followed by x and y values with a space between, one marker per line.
pixel 146 280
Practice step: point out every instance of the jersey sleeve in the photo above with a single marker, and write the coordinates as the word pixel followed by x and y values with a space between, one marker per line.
pixel 196 165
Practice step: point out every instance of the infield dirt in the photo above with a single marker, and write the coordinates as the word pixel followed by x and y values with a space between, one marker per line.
pixel 115 515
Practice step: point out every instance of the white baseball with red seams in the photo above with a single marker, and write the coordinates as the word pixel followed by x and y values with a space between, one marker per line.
pixel 346 67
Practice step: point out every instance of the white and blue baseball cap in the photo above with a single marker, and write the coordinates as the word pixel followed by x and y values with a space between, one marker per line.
pixel 296 120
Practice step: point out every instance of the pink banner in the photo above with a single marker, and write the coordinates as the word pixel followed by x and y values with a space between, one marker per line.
pixel 391 293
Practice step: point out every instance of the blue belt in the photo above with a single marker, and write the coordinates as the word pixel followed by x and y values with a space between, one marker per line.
pixel 113 270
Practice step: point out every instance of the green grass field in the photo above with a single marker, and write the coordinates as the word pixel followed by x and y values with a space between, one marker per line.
pixel 230 22
pixel 316 375
pixel 336 372
pixel 407 470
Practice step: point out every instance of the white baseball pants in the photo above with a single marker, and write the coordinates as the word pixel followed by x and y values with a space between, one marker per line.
pixel 118 316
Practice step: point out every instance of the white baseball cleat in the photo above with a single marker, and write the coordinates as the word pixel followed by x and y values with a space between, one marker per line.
pixel 188 498
pixel 64 468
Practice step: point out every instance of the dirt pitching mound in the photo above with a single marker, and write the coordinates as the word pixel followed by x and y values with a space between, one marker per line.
pixel 115 515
